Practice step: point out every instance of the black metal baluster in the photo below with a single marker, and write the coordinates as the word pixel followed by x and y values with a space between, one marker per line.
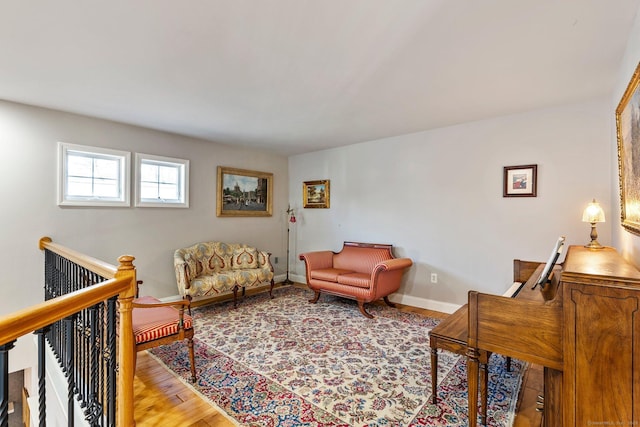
pixel 68 326
pixel 92 410
pixel 82 356
pixel 111 362
pixel 4 383
pixel 42 372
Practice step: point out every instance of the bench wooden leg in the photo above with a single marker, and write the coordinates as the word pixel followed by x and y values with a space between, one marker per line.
pixel 434 375
pixel 315 298
pixel 192 358
pixel 483 393
pixel 472 381
pixel 271 289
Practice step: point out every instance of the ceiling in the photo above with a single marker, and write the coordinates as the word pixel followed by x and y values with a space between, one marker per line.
pixel 296 76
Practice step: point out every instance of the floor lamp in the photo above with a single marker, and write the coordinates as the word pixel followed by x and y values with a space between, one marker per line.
pixel 291 220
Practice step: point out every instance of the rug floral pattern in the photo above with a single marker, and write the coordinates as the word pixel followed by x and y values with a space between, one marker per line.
pixel 286 362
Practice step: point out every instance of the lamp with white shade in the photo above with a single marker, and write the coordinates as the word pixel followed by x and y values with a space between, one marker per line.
pixel 593 213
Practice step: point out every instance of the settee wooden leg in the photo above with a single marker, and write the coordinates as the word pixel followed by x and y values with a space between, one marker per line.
pixel 315 298
pixel 363 311
pixel 235 296
pixel 389 303
pixel 192 358
pixel 271 289
pixel 188 297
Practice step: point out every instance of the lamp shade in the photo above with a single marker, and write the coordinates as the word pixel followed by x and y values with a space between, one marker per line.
pixel 593 213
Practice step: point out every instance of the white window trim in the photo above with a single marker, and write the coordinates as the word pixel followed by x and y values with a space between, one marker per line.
pixel 184 166
pixel 124 179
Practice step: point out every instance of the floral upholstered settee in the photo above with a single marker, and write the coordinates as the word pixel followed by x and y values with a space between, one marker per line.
pixel 211 268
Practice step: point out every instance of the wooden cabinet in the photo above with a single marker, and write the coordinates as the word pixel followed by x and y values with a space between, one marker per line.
pixel 601 339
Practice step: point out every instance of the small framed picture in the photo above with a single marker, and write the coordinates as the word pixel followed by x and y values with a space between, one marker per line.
pixel 520 181
pixel 315 194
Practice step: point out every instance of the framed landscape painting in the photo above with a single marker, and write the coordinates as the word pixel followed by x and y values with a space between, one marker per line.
pixel 244 192
pixel 628 133
pixel 520 181
pixel 315 194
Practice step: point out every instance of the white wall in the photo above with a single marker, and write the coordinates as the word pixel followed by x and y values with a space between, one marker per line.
pixel 29 136
pixel 437 197
pixel 627 243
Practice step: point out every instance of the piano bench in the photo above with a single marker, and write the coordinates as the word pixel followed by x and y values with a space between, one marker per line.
pixel 451 334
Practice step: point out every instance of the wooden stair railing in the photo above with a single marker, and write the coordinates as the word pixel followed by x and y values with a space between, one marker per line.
pixel 121 282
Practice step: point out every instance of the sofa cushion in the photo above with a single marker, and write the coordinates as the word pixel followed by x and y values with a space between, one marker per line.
pixel 328 274
pixel 152 323
pixel 244 258
pixel 225 281
pixel 213 284
pixel 360 260
pixel 359 280
pixel 217 263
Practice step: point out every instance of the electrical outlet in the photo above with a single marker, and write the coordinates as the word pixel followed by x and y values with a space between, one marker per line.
pixel 275 260
pixel 434 277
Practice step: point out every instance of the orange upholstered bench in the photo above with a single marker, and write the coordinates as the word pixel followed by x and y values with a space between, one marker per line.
pixel 157 323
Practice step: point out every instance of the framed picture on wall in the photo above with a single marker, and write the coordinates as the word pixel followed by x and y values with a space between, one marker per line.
pixel 315 194
pixel 628 135
pixel 520 181
pixel 244 192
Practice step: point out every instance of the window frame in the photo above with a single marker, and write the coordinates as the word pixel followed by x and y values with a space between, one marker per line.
pixel 124 178
pixel 183 177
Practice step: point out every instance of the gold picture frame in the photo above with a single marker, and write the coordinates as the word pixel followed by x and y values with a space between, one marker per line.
pixel 243 192
pixel 315 194
pixel 628 135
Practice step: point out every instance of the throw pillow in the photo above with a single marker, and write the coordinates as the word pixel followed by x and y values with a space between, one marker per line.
pixel 245 258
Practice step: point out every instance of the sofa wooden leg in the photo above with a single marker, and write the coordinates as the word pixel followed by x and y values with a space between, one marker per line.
pixel 363 311
pixel 315 298
pixel 389 303
pixel 271 289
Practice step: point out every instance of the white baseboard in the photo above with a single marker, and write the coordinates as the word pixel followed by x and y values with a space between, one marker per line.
pixel 298 278
pixel 426 303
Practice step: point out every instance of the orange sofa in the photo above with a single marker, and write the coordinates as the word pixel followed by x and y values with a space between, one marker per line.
pixel 362 271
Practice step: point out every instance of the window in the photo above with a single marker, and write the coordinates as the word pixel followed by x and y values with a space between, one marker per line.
pixel 92 176
pixel 161 181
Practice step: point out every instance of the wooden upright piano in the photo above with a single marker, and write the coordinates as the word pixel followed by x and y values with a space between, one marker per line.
pixel 583 327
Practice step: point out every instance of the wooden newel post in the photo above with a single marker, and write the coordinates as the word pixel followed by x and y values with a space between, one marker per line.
pixel 126 345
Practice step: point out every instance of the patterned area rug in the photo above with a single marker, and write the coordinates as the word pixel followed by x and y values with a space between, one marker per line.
pixel 286 362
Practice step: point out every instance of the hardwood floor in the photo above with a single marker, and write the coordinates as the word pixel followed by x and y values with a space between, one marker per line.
pixel 162 399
